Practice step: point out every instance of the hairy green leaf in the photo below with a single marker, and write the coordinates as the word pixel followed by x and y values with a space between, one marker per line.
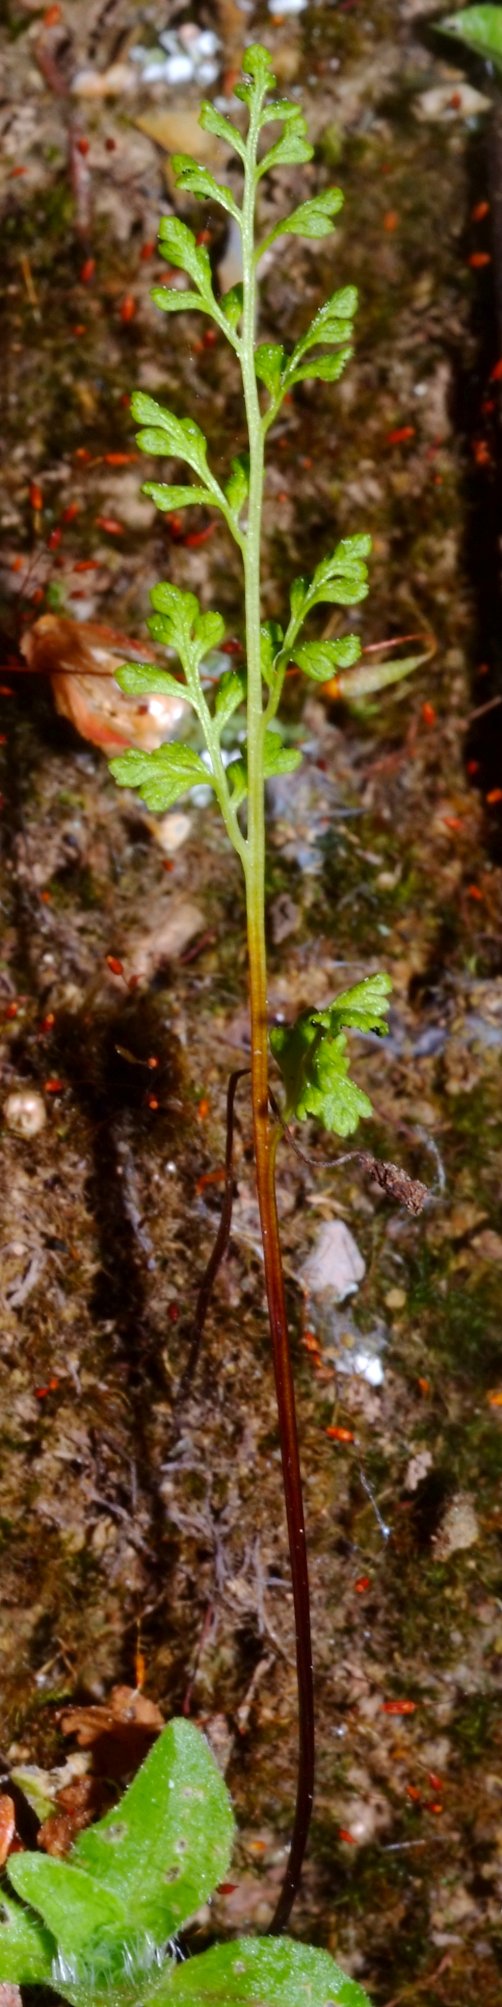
pixel 197 180
pixel 363 1008
pixel 209 630
pixel 173 619
pixel 257 64
pixel 298 595
pixel 145 679
pixel 168 1842
pixel 178 245
pixel 326 367
pixel 480 28
pixel 178 300
pixel 279 110
pixel 311 219
pixel 161 777
pixel 278 759
pixel 256 1972
pixel 269 359
pixel 313 1059
pixel 292 147
pixel 71 1903
pixel 212 120
pixel 178 438
pixel 167 497
pixel 26 1949
pixel 321 659
pixel 271 637
pixel 237 486
pixel 314 1068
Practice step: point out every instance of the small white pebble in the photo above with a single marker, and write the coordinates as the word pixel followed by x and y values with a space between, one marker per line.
pixel 25 1112
pixel 178 69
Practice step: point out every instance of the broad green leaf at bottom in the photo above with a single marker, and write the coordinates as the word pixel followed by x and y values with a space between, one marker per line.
pixel 263 1973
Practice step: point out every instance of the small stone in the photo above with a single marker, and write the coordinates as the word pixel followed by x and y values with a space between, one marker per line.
pixel 395 1299
pixel 335 1264
pixel 25 1112
pixel 459 1528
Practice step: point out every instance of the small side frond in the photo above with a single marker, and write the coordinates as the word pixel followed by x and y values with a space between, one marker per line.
pixel 196 180
pixel 160 778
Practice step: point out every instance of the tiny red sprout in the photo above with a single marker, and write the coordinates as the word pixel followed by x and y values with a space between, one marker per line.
pixel 114 965
pixel 168 863
pixel 311 1341
pixel 399 1706
pixel 82 453
pixel 453 821
pixel 5 690
pixel 148 248
pixel 363 1583
pixel 338 1435
pixel 48 1022
pixel 478 259
pixel 204 237
pixel 474 892
pixel 11 1010
pixel 488 406
pixel 203 1108
pixel 54 539
pixel 197 537
pixel 472 767
pixel 132 982
pixel 41 1392
pixel 111 145
pixel 72 510
pixel 173 1313
pixel 109 524
pixel 391 220
pixel 128 309
pixel 483 669
pixel 175 527
pixel 83 145
pixel 152 1063
pixel 14 172
pixel 3 738
pixel 283 495
pixel 78 329
pixel 210 337
pixel 231 646
pixel 51 17
pixel 437 1782
pixel 424 1385
pixel 437 1808
pixel 455 102
pixel 16 563
pixel 86 564
pixel 152 1101
pixel 36 496
pixel 494 796
pixel 496 372
pixel 119 459
pixel 37 595
pixel 429 714
pixel 54 1086
pixel 481 452
pixel 226 1888
pixel 480 210
pixel 348 1838
pixel 87 271
pixel 401 434
pixel 413 1792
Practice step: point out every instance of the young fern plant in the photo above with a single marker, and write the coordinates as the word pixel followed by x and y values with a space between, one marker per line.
pixel 312 1055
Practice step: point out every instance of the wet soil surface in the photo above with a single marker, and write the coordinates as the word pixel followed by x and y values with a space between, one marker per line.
pixel 130 1516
